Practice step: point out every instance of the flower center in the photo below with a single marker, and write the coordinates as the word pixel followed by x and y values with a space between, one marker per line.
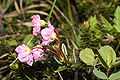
pixel 27 50
pixel 53 36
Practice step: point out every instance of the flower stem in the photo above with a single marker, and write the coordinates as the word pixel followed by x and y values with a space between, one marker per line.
pixel 49 16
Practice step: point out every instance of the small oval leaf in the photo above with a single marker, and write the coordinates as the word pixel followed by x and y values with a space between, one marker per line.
pixel 99 74
pixel 87 56
pixel 115 76
pixel 108 55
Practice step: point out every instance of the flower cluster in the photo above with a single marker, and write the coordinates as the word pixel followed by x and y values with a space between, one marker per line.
pixel 27 55
pixel 48 34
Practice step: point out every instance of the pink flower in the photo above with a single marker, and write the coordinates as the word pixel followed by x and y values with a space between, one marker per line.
pixel 36 24
pixel 24 54
pixel 38 54
pixel 48 34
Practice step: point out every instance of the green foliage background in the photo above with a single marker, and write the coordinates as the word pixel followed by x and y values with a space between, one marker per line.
pixel 82 24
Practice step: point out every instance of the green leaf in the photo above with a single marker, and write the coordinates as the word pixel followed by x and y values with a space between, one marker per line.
pixel 108 55
pixel 106 24
pixel 115 76
pixel 99 74
pixel 87 56
pixel 98 33
pixel 28 40
pixel 94 27
pixel 93 23
pixel 117 19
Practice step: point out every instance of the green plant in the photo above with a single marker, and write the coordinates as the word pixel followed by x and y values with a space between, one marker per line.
pixel 107 57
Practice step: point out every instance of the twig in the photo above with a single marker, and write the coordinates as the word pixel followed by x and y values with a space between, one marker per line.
pixel 7 36
pixel 60 76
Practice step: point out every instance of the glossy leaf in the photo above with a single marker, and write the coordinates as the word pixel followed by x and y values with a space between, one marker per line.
pixel 108 55
pixel 87 56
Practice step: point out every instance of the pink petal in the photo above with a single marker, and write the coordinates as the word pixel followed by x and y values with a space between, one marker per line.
pixel 44 42
pixel 35 20
pixel 36 24
pixel 22 49
pixel 30 60
pixel 45 33
pixel 38 54
pixel 50 26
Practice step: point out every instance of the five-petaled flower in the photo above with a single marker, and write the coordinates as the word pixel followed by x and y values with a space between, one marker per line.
pixel 48 34
pixel 24 54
